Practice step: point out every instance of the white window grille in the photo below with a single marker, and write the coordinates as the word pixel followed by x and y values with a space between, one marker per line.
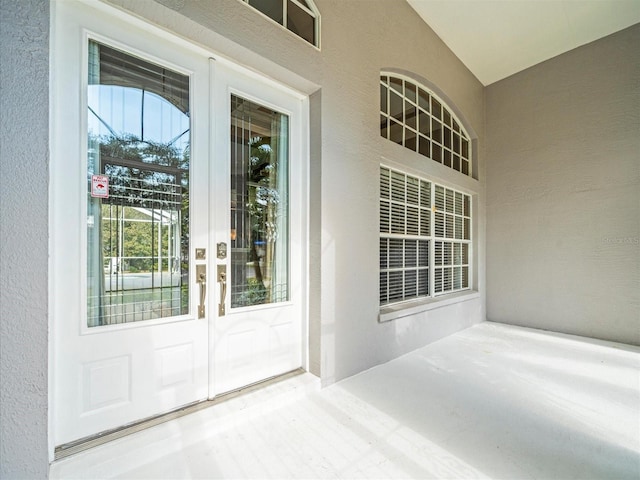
pixel 413 116
pixel 298 16
pixel 452 232
pixel 425 238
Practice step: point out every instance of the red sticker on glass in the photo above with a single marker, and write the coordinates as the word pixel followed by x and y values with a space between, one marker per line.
pixel 100 186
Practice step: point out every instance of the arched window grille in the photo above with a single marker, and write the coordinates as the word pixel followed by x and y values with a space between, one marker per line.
pixel 413 116
pixel 298 16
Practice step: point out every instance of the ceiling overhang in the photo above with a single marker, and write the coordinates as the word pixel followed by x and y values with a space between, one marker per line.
pixel 496 39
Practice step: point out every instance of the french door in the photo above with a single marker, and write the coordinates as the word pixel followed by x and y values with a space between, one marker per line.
pixel 178 193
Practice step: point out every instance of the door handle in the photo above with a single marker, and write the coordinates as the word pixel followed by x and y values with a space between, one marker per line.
pixel 201 273
pixel 222 278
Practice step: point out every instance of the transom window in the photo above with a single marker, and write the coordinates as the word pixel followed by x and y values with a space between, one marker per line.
pixel 412 116
pixel 298 16
pixel 425 238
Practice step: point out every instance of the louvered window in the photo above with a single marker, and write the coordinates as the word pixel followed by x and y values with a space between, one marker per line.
pixel 425 238
pixel 414 117
pixel 452 231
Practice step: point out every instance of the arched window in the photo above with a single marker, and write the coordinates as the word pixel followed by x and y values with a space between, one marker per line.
pixel 415 117
pixel 298 16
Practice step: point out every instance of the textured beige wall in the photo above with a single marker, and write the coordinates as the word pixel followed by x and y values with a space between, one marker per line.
pixel 24 171
pixel 563 193
pixel 359 39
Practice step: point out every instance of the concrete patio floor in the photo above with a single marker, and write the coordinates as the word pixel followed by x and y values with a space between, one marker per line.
pixel 492 401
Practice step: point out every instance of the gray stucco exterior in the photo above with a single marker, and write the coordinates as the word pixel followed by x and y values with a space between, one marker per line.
pixel 24 225
pixel 523 174
pixel 563 188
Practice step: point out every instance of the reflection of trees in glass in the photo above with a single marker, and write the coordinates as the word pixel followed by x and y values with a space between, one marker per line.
pixel 130 147
pixel 262 204
pixel 150 175
pixel 139 237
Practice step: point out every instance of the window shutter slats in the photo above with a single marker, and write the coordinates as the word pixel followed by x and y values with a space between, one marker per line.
pixel 446 279
pixel 439 198
pixel 459 234
pixel 410 284
pixel 423 283
pixel 413 220
pixel 413 191
pixel 439 224
pixel 397 187
pixel 398 219
pixel 396 254
pixel 410 254
pixel 425 194
pixel 407 223
pixel 384 288
pixel 385 182
pixel 384 253
pixel 457 278
pixel 384 216
pixel 438 287
pixel 395 286
pixel 423 253
pixel 458 203
pixel 425 222
pixel 448 231
pixel 449 200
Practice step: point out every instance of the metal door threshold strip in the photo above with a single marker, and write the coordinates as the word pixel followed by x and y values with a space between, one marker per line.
pixel 71 448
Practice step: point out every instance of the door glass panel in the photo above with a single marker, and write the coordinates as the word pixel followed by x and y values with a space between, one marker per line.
pixel 259 204
pixel 138 189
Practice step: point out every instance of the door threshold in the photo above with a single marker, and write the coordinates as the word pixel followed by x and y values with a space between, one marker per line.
pixel 71 448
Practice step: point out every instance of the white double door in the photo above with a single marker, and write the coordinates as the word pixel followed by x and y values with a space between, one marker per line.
pixel 167 165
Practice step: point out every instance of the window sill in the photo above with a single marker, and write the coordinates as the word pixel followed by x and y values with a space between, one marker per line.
pixel 391 312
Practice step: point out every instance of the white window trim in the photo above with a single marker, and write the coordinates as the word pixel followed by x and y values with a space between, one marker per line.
pixel 413 306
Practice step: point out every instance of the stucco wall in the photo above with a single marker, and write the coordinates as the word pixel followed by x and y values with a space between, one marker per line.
pixel 346 336
pixel 343 81
pixel 353 53
pixel 24 157
pixel 563 193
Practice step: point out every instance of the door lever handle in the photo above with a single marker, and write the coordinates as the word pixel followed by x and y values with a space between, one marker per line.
pixel 222 278
pixel 202 280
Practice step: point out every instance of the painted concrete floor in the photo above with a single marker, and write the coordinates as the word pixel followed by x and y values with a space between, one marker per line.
pixel 492 401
